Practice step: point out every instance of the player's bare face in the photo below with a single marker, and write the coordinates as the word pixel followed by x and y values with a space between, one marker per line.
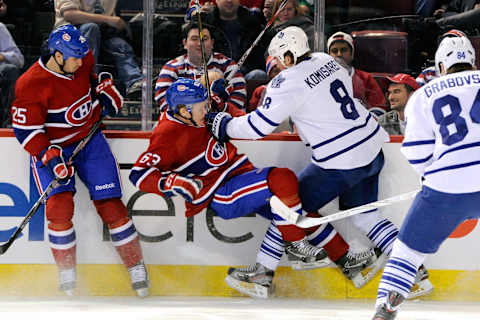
pixel 397 96
pixel 194 48
pixel 199 110
pixel 72 64
pixel 341 49
pixel 287 13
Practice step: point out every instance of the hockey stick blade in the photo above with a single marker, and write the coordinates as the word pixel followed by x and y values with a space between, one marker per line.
pixel 305 222
pixel 5 246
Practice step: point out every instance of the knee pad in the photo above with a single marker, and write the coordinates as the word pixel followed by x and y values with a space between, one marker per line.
pixel 283 183
pixel 59 209
pixel 111 210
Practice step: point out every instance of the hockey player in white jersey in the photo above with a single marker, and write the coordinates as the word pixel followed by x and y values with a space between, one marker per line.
pixel 442 139
pixel 346 141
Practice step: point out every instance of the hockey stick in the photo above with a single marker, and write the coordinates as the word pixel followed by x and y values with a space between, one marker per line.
pixel 244 57
pixel 204 56
pixel 4 247
pixel 305 222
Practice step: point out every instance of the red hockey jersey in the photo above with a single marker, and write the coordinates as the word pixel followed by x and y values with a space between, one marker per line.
pixel 52 108
pixel 189 151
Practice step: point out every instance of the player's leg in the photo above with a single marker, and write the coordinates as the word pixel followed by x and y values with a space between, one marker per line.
pixel 317 188
pixel 100 173
pixel 420 234
pixel 250 192
pixel 61 233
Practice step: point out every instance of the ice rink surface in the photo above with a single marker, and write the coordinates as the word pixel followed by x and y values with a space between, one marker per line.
pixel 203 308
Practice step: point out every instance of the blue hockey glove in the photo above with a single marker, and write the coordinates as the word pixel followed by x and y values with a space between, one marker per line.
pixel 216 123
pixel 186 187
pixel 52 157
pixel 218 88
pixel 109 97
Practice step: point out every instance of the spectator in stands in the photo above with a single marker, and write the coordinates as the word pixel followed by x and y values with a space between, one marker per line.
pixel 272 68
pixel 3 9
pixel 107 32
pixel 425 8
pixel 11 63
pixel 291 16
pixel 253 5
pixel 400 89
pixel 340 45
pixel 190 66
pixel 268 9
pixel 239 27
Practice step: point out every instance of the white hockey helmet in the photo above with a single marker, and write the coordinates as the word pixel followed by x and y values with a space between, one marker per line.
pixel 292 39
pixel 452 51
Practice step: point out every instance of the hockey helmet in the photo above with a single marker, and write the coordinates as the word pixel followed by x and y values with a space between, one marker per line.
pixel 185 92
pixel 69 41
pixel 452 51
pixel 292 39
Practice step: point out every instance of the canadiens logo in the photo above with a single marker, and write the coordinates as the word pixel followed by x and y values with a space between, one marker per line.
pixel 79 112
pixel 277 81
pixel 215 154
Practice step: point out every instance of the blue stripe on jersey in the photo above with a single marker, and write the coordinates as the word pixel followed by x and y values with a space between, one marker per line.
pixel 69 238
pixel 457 166
pixel 417 143
pixel 417 161
pixel 343 133
pixel 255 128
pixel 119 236
pixel 465 146
pixel 264 118
pixel 56 117
pixel 348 148
pixel 22 134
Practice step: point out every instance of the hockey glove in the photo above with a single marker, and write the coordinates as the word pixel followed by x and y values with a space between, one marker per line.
pixel 216 123
pixel 218 88
pixel 110 99
pixel 52 157
pixel 186 187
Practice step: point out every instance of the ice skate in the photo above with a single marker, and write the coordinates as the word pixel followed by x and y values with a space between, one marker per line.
pixel 68 281
pixel 388 310
pixel 303 255
pixel 255 280
pixel 359 267
pixel 139 277
pixel 370 270
pixel 422 285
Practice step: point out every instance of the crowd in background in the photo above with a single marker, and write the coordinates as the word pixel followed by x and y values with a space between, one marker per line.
pixel 231 26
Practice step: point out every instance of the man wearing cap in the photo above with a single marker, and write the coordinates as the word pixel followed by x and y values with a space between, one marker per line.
pixel 399 91
pixel 340 45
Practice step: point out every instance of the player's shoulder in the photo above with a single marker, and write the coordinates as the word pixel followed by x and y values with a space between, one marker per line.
pixel 34 77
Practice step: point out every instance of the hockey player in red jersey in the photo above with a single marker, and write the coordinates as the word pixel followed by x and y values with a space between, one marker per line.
pixel 58 100
pixel 184 159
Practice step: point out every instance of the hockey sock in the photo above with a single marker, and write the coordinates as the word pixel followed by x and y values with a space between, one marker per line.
pixel 63 244
pixel 327 237
pixel 382 232
pixel 272 248
pixel 126 242
pixel 283 183
pixel 400 271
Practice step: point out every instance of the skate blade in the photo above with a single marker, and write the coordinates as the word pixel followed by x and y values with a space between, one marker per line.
pixel 420 289
pixel 251 289
pixel 142 292
pixel 301 265
pixel 367 274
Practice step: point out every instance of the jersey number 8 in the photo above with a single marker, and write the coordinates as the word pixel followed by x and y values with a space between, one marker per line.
pixel 454 119
pixel 340 94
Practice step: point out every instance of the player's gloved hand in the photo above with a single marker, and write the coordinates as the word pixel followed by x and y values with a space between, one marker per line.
pixel 109 97
pixel 216 123
pixel 188 188
pixel 52 157
pixel 218 88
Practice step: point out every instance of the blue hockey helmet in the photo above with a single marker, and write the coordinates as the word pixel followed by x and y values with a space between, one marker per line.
pixel 69 41
pixel 185 92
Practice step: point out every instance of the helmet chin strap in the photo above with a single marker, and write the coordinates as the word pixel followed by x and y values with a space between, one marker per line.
pixel 195 124
pixel 60 66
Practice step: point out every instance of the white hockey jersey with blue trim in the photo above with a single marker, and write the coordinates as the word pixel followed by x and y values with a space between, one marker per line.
pixel 442 134
pixel 317 94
